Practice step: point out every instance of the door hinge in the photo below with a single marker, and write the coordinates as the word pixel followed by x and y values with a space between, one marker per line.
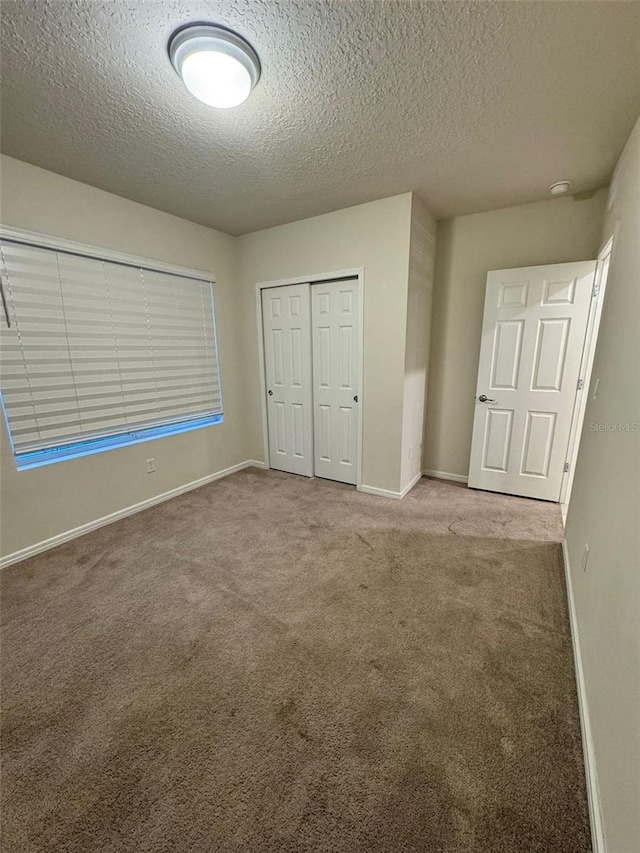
pixel 595 290
pixel 566 467
pixel 580 384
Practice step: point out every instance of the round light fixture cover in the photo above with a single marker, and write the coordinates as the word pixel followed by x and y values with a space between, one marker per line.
pixel 560 187
pixel 218 66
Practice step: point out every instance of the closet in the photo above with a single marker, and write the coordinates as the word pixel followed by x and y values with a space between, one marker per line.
pixel 312 363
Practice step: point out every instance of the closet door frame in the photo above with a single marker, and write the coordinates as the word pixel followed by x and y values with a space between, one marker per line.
pixel 330 275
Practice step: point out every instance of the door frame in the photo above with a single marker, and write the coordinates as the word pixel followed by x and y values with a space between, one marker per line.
pixel 315 278
pixel 586 367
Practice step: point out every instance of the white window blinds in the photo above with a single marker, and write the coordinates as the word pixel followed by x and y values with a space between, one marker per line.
pixel 93 348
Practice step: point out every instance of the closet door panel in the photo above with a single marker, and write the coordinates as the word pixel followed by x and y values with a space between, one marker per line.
pixel 286 326
pixel 336 368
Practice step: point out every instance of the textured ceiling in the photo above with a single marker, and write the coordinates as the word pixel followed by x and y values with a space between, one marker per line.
pixel 474 105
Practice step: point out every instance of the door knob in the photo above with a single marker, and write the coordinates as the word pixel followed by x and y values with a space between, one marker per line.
pixel 270 392
pixel 484 399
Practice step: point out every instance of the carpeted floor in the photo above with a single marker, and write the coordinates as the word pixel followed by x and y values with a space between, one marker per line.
pixel 276 664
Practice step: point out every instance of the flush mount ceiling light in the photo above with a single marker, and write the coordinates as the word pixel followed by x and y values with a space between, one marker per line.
pixel 560 187
pixel 217 65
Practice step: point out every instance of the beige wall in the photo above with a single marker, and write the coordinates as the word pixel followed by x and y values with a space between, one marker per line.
pixel 546 232
pixel 422 251
pixel 604 513
pixel 43 502
pixel 374 236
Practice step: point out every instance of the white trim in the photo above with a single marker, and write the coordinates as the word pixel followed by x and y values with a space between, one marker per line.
pixel 68 535
pixel 591 772
pixel 445 475
pixel 262 379
pixel 380 493
pixel 304 279
pixel 47 241
pixel 411 484
pixel 358 273
pixel 360 409
pixel 387 493
pixel 586 367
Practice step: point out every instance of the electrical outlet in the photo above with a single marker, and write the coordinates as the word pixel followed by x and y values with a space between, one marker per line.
pixel 596 385
pixel 151 466
pixel 585 557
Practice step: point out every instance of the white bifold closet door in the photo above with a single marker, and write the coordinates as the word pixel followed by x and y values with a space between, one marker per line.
pixel 312 366
pixel 286 325
pixel 336 369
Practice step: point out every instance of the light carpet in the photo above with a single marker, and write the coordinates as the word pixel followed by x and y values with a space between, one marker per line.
pixel 271 663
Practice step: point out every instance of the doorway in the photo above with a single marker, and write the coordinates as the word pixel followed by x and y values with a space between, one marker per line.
pixel 311 370
pixel 584 383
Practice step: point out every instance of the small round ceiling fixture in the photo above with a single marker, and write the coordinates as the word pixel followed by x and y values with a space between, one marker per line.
pixel 560 187
pixel 217 65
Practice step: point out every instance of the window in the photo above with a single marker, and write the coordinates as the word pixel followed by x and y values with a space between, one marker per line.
pixel 99 352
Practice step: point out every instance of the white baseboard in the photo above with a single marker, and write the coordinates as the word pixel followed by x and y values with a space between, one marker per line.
pixel 68 535
pixel 410 485
pixel 444 475
pixel 591 772
pixel 380 493
pixel 387 493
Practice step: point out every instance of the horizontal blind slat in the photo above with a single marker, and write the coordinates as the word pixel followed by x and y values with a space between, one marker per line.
pixel 95 348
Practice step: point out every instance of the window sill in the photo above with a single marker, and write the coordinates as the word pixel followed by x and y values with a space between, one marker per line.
pixel 38 458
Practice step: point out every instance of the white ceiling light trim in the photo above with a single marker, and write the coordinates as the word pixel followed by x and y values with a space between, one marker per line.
pixel 218 66
pixel 560 187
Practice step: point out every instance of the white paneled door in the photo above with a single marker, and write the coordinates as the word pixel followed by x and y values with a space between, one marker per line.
pixel 533 333
pixel 336 371
pixel 287 349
